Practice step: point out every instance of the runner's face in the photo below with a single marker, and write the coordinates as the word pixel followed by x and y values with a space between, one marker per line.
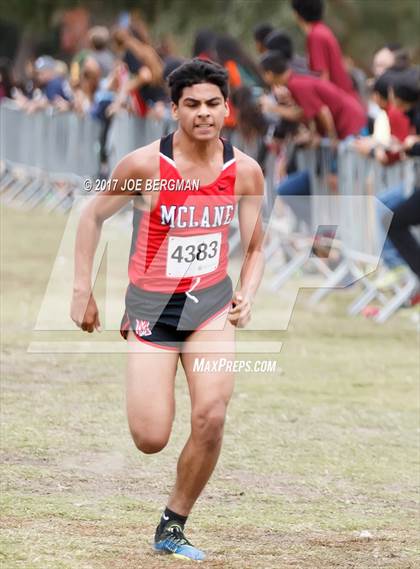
pixel 201 111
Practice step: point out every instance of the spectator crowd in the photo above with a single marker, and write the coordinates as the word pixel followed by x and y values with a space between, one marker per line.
pixel 277 98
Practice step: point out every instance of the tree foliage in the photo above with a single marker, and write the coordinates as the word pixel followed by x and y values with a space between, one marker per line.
pixel 361 25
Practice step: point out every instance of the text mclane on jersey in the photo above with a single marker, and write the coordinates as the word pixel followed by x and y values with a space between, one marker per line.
pixel 188 216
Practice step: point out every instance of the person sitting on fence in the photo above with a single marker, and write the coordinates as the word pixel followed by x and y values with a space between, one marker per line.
pixel 324 52
pixel 335 113
pixel 327 109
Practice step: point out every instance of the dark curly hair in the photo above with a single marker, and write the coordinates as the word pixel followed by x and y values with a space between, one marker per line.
pixel 197 71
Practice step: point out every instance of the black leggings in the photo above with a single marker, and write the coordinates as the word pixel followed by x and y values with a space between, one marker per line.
pixel 406 215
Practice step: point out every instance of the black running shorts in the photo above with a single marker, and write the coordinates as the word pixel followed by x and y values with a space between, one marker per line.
pixel 166 320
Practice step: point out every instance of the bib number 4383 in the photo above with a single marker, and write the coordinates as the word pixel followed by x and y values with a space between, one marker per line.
pixel 193 256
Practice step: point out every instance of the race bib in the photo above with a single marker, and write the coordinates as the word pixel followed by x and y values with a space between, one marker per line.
pixel 193 256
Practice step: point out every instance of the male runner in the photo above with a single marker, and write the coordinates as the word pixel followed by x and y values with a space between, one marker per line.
pixel 179 292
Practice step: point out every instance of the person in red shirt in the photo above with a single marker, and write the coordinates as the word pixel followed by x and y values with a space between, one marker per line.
pixel 336 113
pixel 324 52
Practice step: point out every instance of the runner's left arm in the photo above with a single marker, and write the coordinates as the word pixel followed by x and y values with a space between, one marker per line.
pixel 251 188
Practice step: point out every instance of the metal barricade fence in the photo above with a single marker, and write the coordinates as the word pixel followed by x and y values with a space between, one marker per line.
pixel 47 146
pixel 343 186
pixel 128 132
pixel 44 155
pixel 361 231
pixel 360 176
pixel 252 146
pixel 315 215
pixel 53 142
pixel 320 164
pixel 358 222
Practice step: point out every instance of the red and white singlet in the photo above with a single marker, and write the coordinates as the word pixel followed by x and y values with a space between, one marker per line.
pixel 182 244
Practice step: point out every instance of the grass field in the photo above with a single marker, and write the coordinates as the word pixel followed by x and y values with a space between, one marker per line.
pixel 315 455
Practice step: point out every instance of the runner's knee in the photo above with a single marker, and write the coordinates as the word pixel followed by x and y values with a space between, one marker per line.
pixel 149 443
pixel 208 422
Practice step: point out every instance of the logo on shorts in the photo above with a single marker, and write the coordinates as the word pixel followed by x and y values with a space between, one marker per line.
pixel 143 328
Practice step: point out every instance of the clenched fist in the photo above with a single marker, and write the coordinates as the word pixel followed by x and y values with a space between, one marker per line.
pixel 84 311
pixel 240 313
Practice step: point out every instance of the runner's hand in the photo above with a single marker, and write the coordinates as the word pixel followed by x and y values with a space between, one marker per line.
pixel 84 312
pixel 240 313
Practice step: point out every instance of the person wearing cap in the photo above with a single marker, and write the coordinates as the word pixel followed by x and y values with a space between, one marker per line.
pixel 52 88
pixel 51 84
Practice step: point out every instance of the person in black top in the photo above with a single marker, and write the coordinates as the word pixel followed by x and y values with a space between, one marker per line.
pixel 407 214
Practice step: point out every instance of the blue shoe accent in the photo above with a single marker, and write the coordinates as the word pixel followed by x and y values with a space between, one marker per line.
pixel 171 540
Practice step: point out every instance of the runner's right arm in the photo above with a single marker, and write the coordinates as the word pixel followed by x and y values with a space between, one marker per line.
pixel 84 311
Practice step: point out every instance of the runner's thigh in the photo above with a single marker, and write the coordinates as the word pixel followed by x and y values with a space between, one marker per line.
pixel 150 389
pixel 214 388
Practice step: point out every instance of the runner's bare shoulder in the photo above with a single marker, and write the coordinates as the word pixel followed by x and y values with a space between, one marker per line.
pixel 136 167
pixel 126 181
pixel 249 176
